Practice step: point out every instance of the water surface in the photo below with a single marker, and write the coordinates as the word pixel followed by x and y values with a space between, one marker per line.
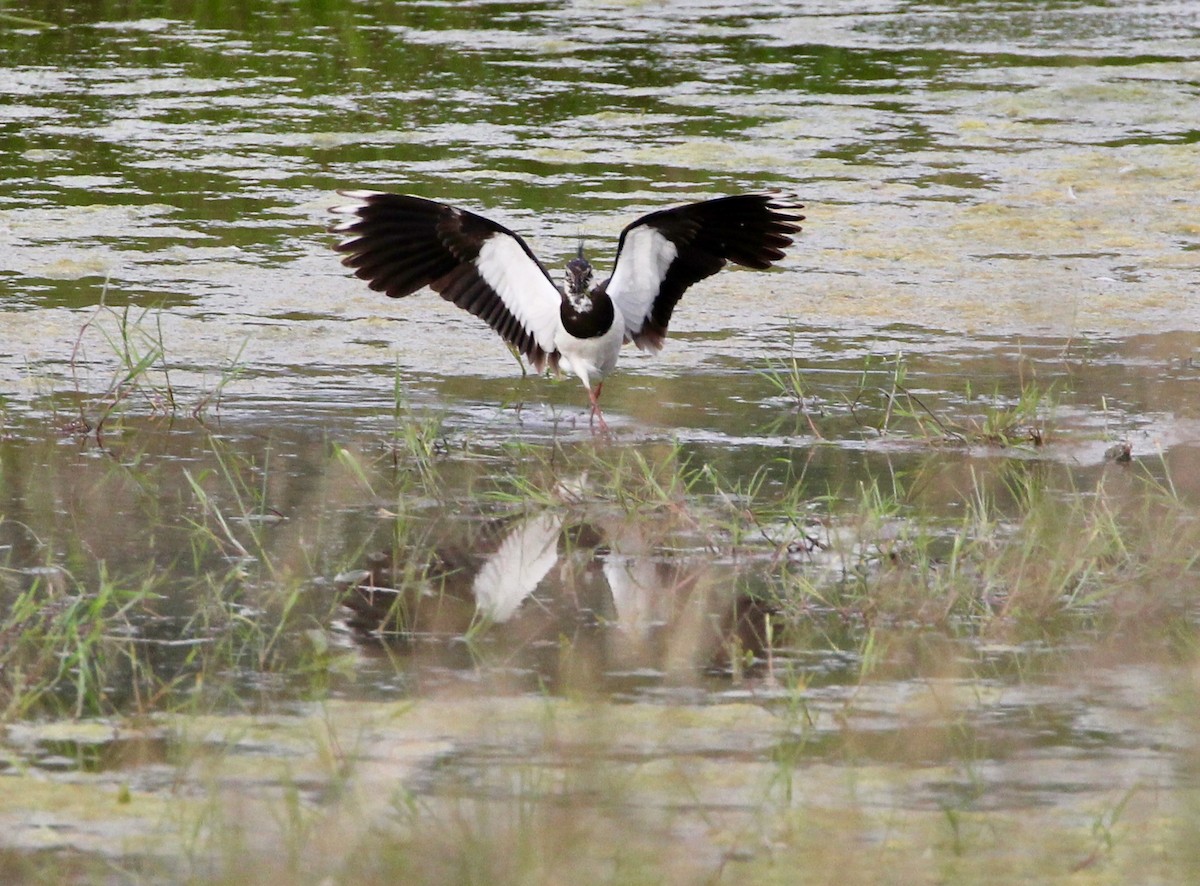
pixel 862 579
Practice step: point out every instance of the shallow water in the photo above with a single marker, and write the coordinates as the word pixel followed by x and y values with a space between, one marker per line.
pixel 712 631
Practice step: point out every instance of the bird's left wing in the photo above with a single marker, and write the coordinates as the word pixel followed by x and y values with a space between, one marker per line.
pixel 399 244
pixel 661 254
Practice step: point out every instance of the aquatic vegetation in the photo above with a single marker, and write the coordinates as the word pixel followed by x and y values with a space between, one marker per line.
pixel 256 606
pixel 1022 555
pixel 119 363
pixel 61 644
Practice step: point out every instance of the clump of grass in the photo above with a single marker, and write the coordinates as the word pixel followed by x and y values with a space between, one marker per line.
pixel 418 438
pixel 140 354
pixel 786 378
pixel 1005 566
pixel 1003 421
pixel 63 644
pixel 82 637
pixel 142 374
pixel 635 480
pixel 883 401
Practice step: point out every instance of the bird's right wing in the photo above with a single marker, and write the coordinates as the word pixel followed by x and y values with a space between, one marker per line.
pixel 399 244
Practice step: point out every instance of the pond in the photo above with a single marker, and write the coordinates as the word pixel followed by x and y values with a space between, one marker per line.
pixel 887 570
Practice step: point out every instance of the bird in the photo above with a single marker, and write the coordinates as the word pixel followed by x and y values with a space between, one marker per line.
pixel 401 243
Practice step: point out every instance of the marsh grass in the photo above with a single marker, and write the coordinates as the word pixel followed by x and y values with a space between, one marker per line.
pixel 883 400
pixel 135 340
pixel 881 576
pixel 72 648
pixel 635 480
pixel 217 606
pixel 418 440
pixel 994 420
pixel 1011 569
pixel 141 372
pixel 1022 553
pixel 786 377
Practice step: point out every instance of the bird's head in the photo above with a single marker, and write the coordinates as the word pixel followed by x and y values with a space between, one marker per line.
pixel 579 278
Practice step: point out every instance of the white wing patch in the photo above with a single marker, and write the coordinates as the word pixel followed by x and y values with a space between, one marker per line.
pixel 641 267
pixel 523 287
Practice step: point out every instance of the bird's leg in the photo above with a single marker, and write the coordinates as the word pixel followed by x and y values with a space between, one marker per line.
pixel 597 415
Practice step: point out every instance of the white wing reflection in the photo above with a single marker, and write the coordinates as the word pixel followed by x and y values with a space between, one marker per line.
pixel 632 582
pixel 511 574
pixel 613 581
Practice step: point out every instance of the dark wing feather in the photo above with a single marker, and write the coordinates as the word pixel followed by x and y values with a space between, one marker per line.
pixel 400 244
pixel 661 254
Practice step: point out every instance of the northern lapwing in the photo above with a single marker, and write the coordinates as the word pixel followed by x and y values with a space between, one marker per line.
pixel 400 244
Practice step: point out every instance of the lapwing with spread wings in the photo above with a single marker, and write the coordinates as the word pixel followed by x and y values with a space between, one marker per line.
pixel 400 244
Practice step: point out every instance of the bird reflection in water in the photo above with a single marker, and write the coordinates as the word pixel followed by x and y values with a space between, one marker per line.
pixel 523 589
